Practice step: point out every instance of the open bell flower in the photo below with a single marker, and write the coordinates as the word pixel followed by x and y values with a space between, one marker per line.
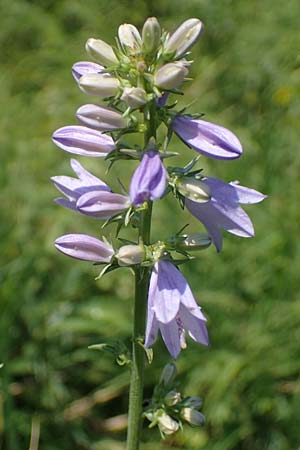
pixel 149 179
pixel 223 209
pixel 84 67
pixel 73 188
pixel 207 138
pixel 83 141
pixel 85 247
pixel 172 309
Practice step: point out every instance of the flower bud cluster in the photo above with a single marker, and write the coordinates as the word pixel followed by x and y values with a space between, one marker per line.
pixel 142 66
pixel 168 409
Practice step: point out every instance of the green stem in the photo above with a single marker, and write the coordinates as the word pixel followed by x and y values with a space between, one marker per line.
pixel 142 275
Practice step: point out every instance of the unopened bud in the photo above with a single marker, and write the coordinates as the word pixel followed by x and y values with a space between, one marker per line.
pixel 151 35
pixel 129 255
pixel 193 402
pixel 192 416
pixel 172 398
pixel 101 118
pixel 99 84
pixel 135 97
pixel 193 189
pixel 129 37
pixel 170 76
pixel 167 425
pixel 168 374
pixel 194 242
pixel 101 52
pixel 184 37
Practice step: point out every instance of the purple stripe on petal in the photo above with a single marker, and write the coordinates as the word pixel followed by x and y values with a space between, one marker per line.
pixel 84 247
pixel 83 141
pixel 207 138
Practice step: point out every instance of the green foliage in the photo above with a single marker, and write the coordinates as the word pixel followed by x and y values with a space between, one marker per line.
pixel 246 76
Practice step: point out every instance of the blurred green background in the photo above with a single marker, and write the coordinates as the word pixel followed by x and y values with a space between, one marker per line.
pixel 246 77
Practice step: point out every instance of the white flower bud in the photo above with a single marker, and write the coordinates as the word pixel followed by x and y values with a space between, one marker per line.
pixel 129 37
pixel 184 37
pixel 129 255
pixel 151 35
pixel 99 84
pixel 101 52
pixel 135 97
pixel 194 242
pixel 101 118
pixel 172 398
pixel 193 189
pixel 170 76
pixel 192 416
pixel 167 425
pixel 168 374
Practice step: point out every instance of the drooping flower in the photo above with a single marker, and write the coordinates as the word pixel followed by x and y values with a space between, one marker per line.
pixel 73 188
pixel 223 210
pixel 207 138
pixel 172 309
pixel 149 179
pixel 83 141
pixel 84 67
pixel 85 247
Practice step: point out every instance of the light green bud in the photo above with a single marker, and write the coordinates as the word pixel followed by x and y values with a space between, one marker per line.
pixel 192 416
pixel 135 97
pixel 129 255
pixel 172 398
pixel 99 84
pixel 170 76
pixel 193 189
pixel 184 37
pixel 194 242
pixel 168 374
pixel 167 425
pixel 129 37
pixel 151 35
pixel 101 52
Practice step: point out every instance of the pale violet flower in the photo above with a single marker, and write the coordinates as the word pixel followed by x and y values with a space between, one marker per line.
pixel 83 141
pixel 207 138
pixel 102 204
pixel 73 188
pixel 149 179
pixel 84 67
pixel 173 310
pixel 223 210
pixel 85 247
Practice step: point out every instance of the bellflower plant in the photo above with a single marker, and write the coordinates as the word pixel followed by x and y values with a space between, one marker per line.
pixel 131 84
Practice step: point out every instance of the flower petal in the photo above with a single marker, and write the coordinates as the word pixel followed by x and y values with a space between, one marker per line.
pixel 83 67
pixel 83 141
pixel 207 138
pixel 171 337
pixel 149 179
pixel 102 204
pixel 84 247
pixel 194 325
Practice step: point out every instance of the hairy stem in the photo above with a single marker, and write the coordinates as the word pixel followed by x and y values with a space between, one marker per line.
pixel 142 275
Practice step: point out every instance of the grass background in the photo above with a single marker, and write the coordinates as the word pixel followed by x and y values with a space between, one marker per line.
pixel 246 77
